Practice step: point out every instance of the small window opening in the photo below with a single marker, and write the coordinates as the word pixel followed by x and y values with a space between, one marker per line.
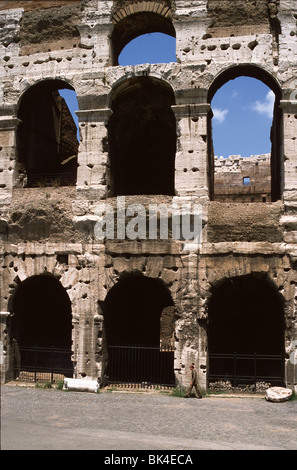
pixel 62 258
pixel 246 180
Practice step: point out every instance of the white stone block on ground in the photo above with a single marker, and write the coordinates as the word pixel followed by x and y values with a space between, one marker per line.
pixel 81 385
pixel 278 394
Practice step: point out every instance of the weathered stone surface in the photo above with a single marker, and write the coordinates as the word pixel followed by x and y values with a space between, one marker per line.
pixel 50 231
pixel 278 394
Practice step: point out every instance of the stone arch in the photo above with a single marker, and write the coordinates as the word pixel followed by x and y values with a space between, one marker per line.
pixel 41 312
pixel 245 316
pixel 46 141
pixel 41 326
pixel 254 71
pixel 138 331
pixel 133 310
pixel 142 138
pixel 139 18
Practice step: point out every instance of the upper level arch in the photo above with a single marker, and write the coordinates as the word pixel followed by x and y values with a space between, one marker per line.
pixel 137 19
pixel 276 160
pixel 248 70
pixel 142 138
pixel 47 144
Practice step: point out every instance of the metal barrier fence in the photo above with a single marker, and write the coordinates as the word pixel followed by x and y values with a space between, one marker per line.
pixel 246 369
pixel 146 365
pixel 42 364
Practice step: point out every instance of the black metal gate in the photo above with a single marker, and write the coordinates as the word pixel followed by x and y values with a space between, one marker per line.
pixel 42 364
pixel 246 369
pixel 138 364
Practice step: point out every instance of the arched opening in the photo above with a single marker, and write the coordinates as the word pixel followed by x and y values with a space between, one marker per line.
pixel 42 325
pixel 152 48
pixel 142 138
pixel 246 319
pixel 133 311
pixel 245 136
pixel 47 141
pixel 138 24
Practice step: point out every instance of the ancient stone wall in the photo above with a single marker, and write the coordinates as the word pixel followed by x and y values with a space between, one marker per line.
pixel 52 230
pixel 242 179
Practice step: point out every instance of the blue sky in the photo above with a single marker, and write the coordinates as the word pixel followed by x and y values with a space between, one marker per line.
pixel 242 107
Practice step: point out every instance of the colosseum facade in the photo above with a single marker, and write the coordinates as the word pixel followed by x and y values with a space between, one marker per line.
pixel 145 140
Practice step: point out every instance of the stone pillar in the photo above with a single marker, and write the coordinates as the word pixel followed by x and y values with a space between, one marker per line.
pixel 93 156
pixel 191 162
pixel 289 149
pixel 8 126
pixel 6 355
pixel 190 23
pixel 96 29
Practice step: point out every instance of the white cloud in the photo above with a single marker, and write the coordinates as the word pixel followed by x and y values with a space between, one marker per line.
pixel 265 107
pixel 220 114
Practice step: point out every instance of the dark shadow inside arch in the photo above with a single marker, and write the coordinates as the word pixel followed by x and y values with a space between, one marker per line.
pixel 132 316
pixel 276 167
pixel 42 319
pixel 246 316
pixel 136 25
pixel 47 144
pixel 132 310
pixel 142 138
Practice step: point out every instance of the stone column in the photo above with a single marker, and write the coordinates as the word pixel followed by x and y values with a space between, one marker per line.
pixel 8 125
pixel 190 22
pixel 289 149
pixel 191 162
pixel 96 28
pixel 92 173
pixel 6 355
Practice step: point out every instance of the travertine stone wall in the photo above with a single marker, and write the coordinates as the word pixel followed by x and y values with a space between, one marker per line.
pixel 229 174
pixel 215 41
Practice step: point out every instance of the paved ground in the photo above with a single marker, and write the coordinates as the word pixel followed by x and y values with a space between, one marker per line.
pixel 33 419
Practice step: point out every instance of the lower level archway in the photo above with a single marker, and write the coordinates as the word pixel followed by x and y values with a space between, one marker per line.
pixel 132 316
pixel 246 332
pixel 42 325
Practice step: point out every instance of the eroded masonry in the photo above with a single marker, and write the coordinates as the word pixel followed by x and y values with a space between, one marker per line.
pixel 145 140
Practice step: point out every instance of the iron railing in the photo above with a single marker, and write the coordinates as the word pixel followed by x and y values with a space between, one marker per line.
pixel 144 365
pixel 42 364
pixel 246 369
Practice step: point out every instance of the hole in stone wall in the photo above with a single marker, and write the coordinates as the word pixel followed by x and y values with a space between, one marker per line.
pixel 62 258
